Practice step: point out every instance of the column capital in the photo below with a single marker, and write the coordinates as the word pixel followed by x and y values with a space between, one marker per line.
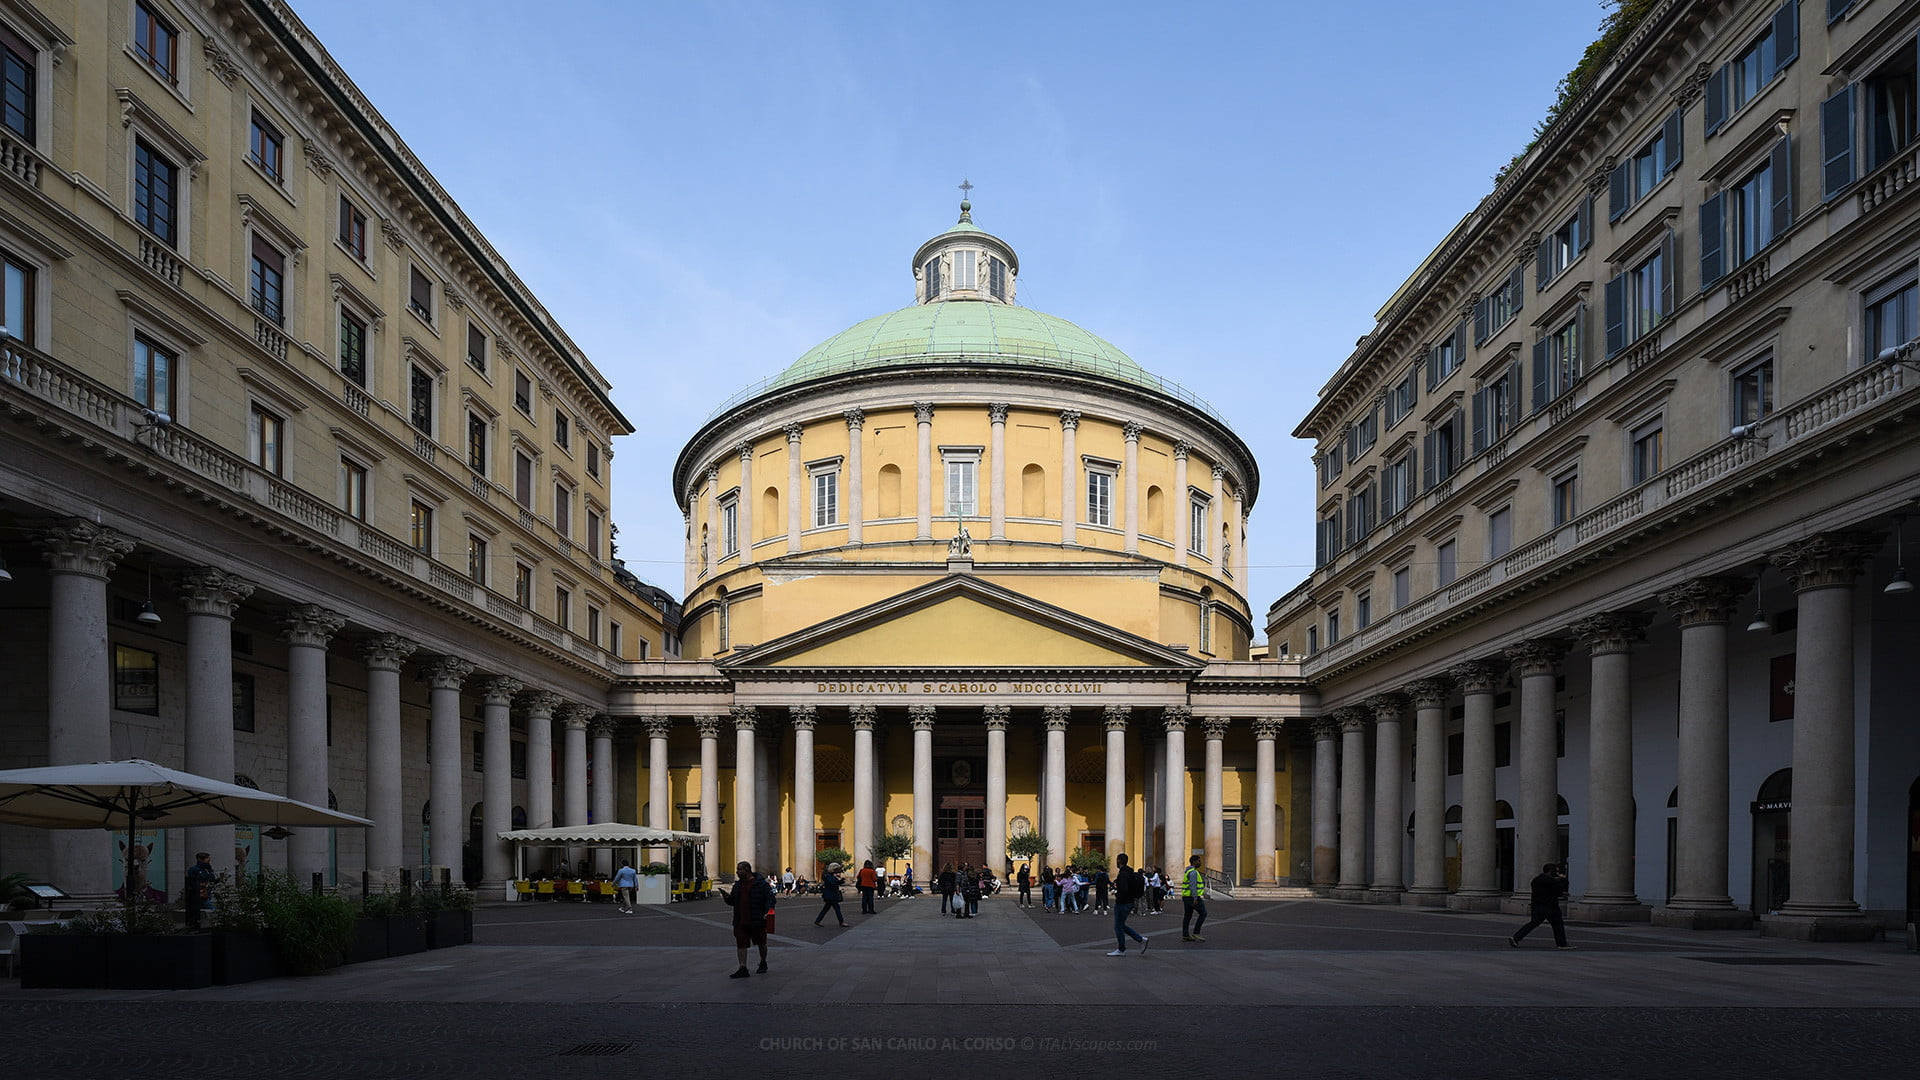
pixel 1181 449
pixel 1132 430
pixel 1175 717
pixel 1215 727
pixel 1267 728
pixel 1351 719
pixel 1117 716
pixel 997 716
pixel 1611 632
pixel 794 431
pixel 1827 561
pixel 602 725
pixel 445 672
pixel 713 480
pixel 574 716
pixel 1537 657
pixel 1475 676
pixel 311 625
pixel 921 717
pixel 207 591
pixel 1430 693
pixel 997 412
pixel 745 452
pixel 1387 708
pixel 539 704
pixel 855 418
pixel 923 412
pixel 1054 717
pixel 81 547
pixel 499 689
pixel 1219 473
pixel 386 652
pixel 1069 419
pixel 745 717
pixel 1705 600
pixel 658 727
pixel 1325 728
pixel 802 717
pixel 708 726
pixel 863 716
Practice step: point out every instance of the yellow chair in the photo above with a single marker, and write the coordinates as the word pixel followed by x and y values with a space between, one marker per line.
pixel 544 889
pixel 523 890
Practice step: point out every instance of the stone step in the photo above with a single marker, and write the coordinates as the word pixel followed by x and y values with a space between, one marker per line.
pixel 1272 892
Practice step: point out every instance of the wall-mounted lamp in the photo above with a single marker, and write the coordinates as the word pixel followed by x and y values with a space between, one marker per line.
pixel 1899 586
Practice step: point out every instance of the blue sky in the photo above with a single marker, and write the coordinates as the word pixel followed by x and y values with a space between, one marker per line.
pixel 700 192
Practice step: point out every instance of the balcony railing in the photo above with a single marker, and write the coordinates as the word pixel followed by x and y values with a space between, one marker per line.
pixel 19 159
pixel 161 259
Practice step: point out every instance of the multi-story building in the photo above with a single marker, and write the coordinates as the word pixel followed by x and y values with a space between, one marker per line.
pixel 299 483
pixel 1609 561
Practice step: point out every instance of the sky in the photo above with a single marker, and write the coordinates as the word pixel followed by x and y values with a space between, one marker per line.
pixel 700 192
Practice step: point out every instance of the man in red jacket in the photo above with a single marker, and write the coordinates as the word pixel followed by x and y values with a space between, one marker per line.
pixel 750 899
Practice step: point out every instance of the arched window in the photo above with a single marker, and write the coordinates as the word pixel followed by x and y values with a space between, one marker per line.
pixel 1033 491
pixel 723 616
pixel 1206 620
pixel 1156 524
pixel 889 491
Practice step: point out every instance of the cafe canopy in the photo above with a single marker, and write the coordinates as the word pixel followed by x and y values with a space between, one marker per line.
pixel 613 834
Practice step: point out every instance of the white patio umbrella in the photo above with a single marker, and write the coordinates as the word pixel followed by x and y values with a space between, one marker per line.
pixel 108 794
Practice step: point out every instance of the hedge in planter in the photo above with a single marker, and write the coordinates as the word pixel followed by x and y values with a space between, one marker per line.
pixel 242 951
pixel 448 917
pixel 309 933
pixel 131 948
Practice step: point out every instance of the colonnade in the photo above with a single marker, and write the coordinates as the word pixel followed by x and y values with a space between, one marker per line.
pixel 1822 570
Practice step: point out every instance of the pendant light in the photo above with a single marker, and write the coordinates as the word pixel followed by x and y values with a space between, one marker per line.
pixel 148 616
pixel 1759 622
pixel 4 575
pixel 1899 586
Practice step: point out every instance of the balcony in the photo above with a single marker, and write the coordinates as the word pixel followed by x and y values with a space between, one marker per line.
pixel 18 158
pixel 161 259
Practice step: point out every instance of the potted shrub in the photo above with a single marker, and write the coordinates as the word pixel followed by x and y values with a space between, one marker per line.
pixel 242 952
pixel 1031 848
pixel 137 947
pixel 309 932
pixel 448 917
pixel 400 913
pixel 652 888
pixel 369 939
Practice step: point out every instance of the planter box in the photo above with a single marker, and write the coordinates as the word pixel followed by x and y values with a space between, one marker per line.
pixel 369 941
pixel 62 961
pixel 159 961
pixel 652 889
pixel 445 929
pixel 405 934
pixel 242 958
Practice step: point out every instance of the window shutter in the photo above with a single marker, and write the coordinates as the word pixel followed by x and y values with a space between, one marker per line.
pixel 1836 141
pixel 1579 358
pixel 1586 224
pixel 1617 313
pixel 1413 470
pixel 1712 241
pixel 1543 264
pixel 1782 186
pixel 1460 344
pixel 1716 99
pixel 1517 285
pixel 1479 420
pixel 1334 544
pixel 1433 369
pixel 1320 542
pixel 1480 321
pixel 1669 274
pixel 1514 375
pixel 1428 478
pixel 1350 521
pixel 1458 423
pixel 1786 35
pixel 1373 506
pixel 1413 387
pixel 1673 135
pixel 1541 379
pixel 1617 196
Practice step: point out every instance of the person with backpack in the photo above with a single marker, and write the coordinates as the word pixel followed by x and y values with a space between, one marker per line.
pixel 830 895
pixel 1128 887
pixel 750 899
pixel 970 891
pixel 1193 901
pixel 1046 889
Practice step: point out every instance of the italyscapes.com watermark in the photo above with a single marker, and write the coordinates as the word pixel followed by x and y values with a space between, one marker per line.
pixel 987 1043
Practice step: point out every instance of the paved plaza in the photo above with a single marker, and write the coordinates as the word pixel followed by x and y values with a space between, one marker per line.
pixel 1352 990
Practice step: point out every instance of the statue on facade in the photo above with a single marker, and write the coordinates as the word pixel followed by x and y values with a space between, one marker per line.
pixel 961 546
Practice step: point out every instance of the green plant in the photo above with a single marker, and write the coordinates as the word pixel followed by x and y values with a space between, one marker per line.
pixel 13 893
pixel 1028 845
pixel 237 907
pixel 892 846
pixel 1087 861
pixel 1615 26
pixel 139 918
pixel 652 869
pixel 309 933
pixel 833 855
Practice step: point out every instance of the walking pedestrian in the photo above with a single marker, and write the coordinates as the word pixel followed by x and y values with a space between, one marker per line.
pixel 1127 889
pixel 906 882
pixel 750 899
pixel 868 881
pixel 1026 886
pixel 1047 888
pixel 1193 901
pixel 626 885
pixel 1069 885
pixel 1548 888
pixel 787 881
pixel 200 879
pixel 946 888
pixel 830 895
pixel 1100 883
pixel 1156 891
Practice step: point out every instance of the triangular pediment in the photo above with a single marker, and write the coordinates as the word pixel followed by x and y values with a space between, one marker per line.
pixel 961 622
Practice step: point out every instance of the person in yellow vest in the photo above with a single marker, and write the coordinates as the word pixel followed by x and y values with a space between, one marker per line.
pixel 1193 901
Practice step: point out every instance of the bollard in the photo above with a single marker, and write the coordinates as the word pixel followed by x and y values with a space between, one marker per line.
pixel 406 881
pixel 366 884
pixel 319 882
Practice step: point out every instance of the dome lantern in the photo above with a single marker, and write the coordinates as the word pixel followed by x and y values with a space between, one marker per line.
pixel 965 263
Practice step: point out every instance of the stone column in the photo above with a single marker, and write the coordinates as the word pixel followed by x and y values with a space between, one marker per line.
pixel 766 799
pixel 1069 475
pixel 1214 728
pixel 1820 901
pixel 1609 894
pixel 386 841
pixel 1266 731
pixel 1700 899
pixel 1054 817
pixel 603 780
pixel 1430 699
pixel 1177 501
pixel 1389 879
pixel 743 507
pixel 877 780
pixel 211 597
pixel 446 814
pixel 539 706
pixel 80 555
pixel 1115 825
pixel 1353 802
pixel 709 728
pixel 710 547
pixel 863 717
pixel 794 492
pixel 1537 837
pixel 746 817
pixel 999 465
pixel 1179 843
pixel 1130 465
pixel 573 763
pixel 496 804
pixel 307 630
pixel 996 717
pixel 803 717
pixel 856 520
pixel 923 484
pixel 1479 853
pixel 1154 842
pixel 1326 793
pixel 921 717
pixel 659 786
pixel 1216 533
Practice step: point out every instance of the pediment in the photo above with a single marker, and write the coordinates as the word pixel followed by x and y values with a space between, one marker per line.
pixel 961 621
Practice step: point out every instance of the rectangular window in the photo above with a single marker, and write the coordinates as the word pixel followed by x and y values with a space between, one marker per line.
pixel 420 527
pixel 1499 532
pixel 1402 587
pixel 1753 69
pixel 156 193
pixel 996 278
pixel 523 585
pixel 19 85
pixel 353 348
pixel 562 509
pixel 962 493
pixel 1446 562
pixel 420 400
pixel 931 277
pixel 1887 98
pixel 1362 611
pixel 243 719
pixel 1566 497
pixel 1445 360
pixel 593 625
pixel 353 229
pixel 1753 392
pixel 265 431
pixel 963 271
pixel 476 348
pixel 1495 310
pixel 1333 628
pixel 523 480
pixel 420 294
pixel 1648 451
pixel 265 145
pixel 1752 212
pixel 1892 316
pixel 136 680
pixel 523 393
pixel 267 281
pixel 1564 245
pixel 594 529
pixel 479 752
pixel 1313 640
pixel 156 42
pixel 562 431
pixel 155 375
pixel 729 527
pixel 476 559
pixel 613 639
pixel 16 298
pixel 1099 498
pixel 826 498
pixel 593 460
pixel 562 606
pixel 1197 527
pixel 1396 486
pixel 353 489
pixel 1362 434
pixel 477 443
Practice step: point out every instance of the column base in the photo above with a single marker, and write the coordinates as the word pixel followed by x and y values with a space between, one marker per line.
pixel 1702 918
pixel 1821 926
pixel 1385 894
pixel 1355 894
pixel 1609 911
pixel 1475 901
pixel 1517 904
pixel 1424 897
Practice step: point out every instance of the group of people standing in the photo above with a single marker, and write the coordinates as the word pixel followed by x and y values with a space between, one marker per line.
pixel 1066 890
pixel 960 890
